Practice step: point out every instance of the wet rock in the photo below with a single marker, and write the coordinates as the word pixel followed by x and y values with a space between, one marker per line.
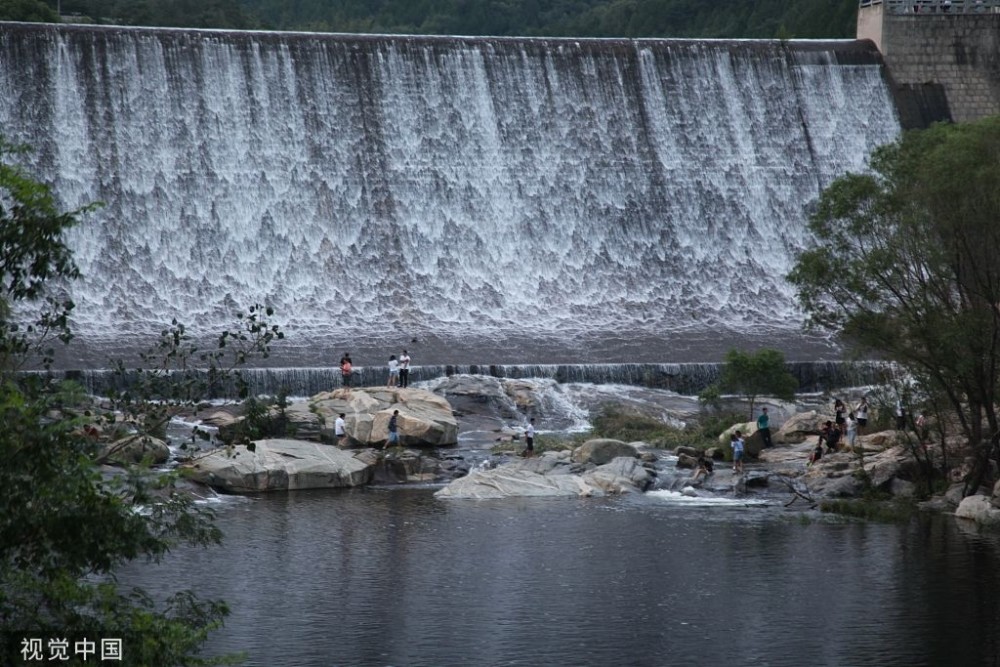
pixel 134 449
pixel 622 475
pixel 550 476
pixel 279 465
pixel 602 450
pixel 686 461
pixel 980 510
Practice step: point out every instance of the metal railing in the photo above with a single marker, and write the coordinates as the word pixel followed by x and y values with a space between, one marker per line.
pixel 936 6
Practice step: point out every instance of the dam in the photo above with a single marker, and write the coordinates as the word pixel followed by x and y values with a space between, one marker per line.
pixel 478 200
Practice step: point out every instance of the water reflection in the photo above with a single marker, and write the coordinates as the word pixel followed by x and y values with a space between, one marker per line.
pixel 397 577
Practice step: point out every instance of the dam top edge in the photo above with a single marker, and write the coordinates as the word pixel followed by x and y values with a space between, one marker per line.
pixel 852 45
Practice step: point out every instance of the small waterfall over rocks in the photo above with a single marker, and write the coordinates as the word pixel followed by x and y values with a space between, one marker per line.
pixel 685 379
pixel 544 199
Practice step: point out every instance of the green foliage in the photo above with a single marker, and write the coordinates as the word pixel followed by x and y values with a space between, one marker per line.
pixel 753 374
pixel 922 281
pixel 65 528
pixel 29 11
pixel 33 255
pixel 873 507
pixel 227 14
pixel 263 417
pixel 551 18
pixel 713 425
pixel 65 525
pixel 543 443
pixel 177 374
pixel 619 424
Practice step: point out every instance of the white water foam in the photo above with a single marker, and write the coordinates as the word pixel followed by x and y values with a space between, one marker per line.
pixel 682 498
pixel 455 188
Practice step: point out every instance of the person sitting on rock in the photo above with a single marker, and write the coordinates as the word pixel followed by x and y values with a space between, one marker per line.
pixel 817 453
pixel 833 438
pixel 703 468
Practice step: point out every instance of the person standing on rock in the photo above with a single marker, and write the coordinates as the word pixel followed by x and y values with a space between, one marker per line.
pixel 764 427
pixel 393 430
pixel 862 415
pixel 346 368
pixel 900 415
pixel 736 442
pixel 852 430
pixel 340 430
pixel 529 439
pixel 839 410
pixel 393 371
pixel 404 369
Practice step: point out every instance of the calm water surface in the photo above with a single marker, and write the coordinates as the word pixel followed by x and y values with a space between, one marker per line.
pixel 398 577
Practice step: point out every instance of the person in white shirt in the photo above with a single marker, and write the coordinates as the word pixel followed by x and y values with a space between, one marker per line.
pixel 340 430
pixel 393 371
pixel 529 439
pixel 404 369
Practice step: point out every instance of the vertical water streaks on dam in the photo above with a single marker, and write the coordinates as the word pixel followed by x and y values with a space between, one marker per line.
pixel 383 188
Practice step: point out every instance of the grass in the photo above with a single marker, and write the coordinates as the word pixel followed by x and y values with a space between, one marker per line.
pixel 617 423
pixel 881 508
pixel 614 422
pixel 543 443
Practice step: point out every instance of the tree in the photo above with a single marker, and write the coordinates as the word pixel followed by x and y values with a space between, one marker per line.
pixel 30 11
pixel 905 268
pixel 65 525
pixel 34 258
pixel 753 374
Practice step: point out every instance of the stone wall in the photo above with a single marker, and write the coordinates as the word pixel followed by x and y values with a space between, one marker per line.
pixel 959 53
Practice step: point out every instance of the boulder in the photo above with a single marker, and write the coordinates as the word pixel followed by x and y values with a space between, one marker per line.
pixel 624 474
pixel 843 486
pixel 476 395
pixel 979 509
pixel 752 441
pixel 877 442
pixel 225 422
pixel 686 461
pixel 885 466
pixel 995 496
pixel 602 450
pixel 800 427
pixel 550 475
pixel 511 481
pixel 135 449
pixel 279 465
pixel 524 394
pixel 407 466
pixel 425 419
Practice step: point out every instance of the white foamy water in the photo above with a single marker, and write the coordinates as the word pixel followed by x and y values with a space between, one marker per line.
pixel 681 498
pixel 461 188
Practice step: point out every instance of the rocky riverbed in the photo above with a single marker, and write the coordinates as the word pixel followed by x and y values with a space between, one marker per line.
pixel 448 429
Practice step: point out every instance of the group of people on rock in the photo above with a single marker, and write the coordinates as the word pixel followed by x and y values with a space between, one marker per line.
pixel 846 426
pixel 399 370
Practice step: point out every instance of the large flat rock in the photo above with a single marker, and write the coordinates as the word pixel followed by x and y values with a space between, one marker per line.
pixel 279 465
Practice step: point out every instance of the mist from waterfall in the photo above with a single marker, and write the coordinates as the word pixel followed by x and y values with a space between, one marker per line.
pixel 523 200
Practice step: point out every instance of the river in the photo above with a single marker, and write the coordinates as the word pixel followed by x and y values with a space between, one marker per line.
pixel 394 576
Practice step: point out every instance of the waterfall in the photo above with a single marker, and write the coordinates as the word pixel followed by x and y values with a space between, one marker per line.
pixel 685 379
pixel 531 200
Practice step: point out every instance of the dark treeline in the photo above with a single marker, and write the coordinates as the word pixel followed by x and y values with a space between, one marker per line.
pixel 557 18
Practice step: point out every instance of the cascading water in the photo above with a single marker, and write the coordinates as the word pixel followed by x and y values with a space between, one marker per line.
pixel 507 200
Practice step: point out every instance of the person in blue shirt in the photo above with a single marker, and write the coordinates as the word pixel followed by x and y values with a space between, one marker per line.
pixel 736 442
